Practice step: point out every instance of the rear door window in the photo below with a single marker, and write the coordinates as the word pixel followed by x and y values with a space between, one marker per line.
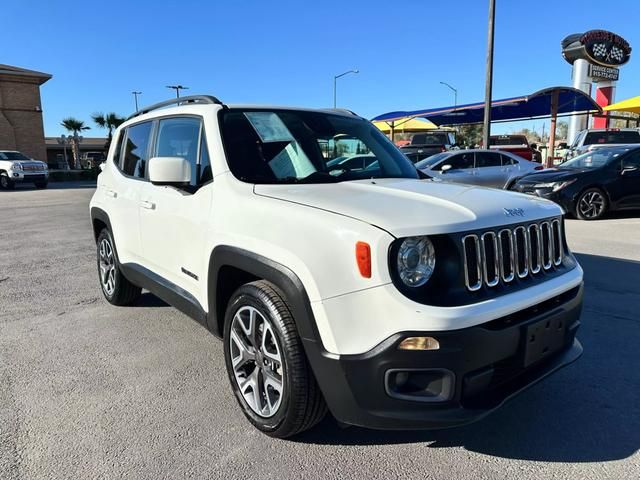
pixel 462 161
pixel 136 153
pixel 507 161
pixel 488 159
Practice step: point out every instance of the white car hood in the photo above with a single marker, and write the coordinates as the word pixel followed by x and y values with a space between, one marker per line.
pixel 405 207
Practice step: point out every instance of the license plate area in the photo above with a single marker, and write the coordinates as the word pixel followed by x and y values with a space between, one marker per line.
pixel 543 338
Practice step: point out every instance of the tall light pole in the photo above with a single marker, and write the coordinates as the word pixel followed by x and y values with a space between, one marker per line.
pixel 455 94
pixel 135 96
pixel 486 130
pixel 335 82
pixel 177 88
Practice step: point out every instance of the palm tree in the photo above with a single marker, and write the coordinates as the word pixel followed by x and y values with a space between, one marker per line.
pixel 74 126
pixel 110 121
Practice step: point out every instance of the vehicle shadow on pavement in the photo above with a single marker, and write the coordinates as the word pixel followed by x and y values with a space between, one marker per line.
pixel 148 299
pixel 52 186
pixel 587 412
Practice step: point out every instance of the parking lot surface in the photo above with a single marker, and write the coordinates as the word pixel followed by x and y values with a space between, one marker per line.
pixel 88 390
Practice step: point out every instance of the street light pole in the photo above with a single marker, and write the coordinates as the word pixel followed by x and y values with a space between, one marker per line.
pixel 335 83
pixel 177 88
pixel 135 96
pixel 486 130
pixel 455 94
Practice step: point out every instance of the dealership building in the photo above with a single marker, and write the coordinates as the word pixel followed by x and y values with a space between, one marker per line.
pixel 21 126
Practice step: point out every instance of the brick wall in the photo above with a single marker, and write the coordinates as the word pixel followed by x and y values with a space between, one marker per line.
pixel 21 125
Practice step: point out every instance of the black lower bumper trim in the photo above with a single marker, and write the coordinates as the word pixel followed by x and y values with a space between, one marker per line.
pixel 490 365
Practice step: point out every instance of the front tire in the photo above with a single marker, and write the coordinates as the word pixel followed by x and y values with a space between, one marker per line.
pixel 268 369
pixel 5 182
pixel 592 204
pixel 115 287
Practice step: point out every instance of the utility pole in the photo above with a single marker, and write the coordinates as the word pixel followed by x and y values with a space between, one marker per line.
pixel 135 96
pixel 486 131
pixel 177 88
pixel 335 83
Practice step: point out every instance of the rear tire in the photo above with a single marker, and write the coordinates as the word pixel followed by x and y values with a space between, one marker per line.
pixel 592 204
pixel 5 182
pixel 262 349
pixel 115 287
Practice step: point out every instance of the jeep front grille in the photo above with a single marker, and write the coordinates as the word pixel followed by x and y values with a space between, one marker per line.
pixel 501 256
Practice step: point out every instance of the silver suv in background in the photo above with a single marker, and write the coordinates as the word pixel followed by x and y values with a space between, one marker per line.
pixel 593 138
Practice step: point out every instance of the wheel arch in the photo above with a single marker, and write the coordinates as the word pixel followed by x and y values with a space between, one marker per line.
pixel 99 220
pixel 230 267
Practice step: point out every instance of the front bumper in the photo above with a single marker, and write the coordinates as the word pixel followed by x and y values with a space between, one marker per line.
pixel 29 177
pixel 487 364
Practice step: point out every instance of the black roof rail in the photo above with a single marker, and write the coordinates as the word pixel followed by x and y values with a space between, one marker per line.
pixel 208 99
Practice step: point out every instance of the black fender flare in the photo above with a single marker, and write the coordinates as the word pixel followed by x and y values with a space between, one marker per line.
pixel 99 214
pixel 264 268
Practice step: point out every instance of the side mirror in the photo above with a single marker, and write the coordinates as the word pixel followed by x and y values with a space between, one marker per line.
pixel 174 171
pixel 445 168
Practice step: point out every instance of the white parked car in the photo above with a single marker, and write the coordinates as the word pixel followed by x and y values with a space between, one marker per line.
pixel 488 168
pixel 15 167
pixel 392 301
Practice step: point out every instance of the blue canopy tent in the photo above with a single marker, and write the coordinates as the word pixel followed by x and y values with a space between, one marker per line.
pixel 547 103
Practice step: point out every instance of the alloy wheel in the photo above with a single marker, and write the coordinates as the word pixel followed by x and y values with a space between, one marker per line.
pixel 107 267
pixel 257 361
pixel 591 204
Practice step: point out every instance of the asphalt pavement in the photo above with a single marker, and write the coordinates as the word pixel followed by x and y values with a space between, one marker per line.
pixel 88 390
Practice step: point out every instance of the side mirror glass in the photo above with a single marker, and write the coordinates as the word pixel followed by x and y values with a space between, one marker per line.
pixel 445 168
pixel 174 171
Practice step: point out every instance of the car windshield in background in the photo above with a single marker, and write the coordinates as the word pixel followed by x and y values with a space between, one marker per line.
pixel 431 161
pixel 612 136
pixel 594 159
pixel 13 156
pixel 508 140
pixel 285 146
pixel 430 139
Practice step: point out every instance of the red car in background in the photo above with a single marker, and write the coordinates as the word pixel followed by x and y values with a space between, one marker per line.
pixel 516 144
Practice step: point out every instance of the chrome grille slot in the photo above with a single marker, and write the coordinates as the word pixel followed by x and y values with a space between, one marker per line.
pixel 546 241
pixel 535 252
pixel 472 262
pixel 507 256
pixel 521 244
pixel 495 257
pixel 490 259
pixel 556 232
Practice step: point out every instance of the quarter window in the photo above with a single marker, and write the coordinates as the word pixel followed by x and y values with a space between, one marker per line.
pixel 136 152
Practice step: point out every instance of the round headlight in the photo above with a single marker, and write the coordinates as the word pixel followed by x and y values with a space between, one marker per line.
pixel 416 261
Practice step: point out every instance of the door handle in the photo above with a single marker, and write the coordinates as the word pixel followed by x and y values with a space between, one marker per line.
pixel 111 193
pixel 148 205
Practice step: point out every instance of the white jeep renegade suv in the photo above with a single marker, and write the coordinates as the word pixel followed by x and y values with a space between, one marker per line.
pixel 391 300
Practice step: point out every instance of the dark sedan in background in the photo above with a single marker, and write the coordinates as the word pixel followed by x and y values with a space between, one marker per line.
pixel 590 184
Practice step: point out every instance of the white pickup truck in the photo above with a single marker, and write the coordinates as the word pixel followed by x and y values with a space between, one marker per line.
pixel 15 167
pixel 593 138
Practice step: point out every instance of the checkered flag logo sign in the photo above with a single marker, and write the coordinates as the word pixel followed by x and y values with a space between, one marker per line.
pixel 600 50
pixel 617 54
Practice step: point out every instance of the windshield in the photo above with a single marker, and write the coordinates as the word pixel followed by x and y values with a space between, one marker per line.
pixel 436 138
pixel 595 158
pixel 287 146
pixel 431 161
pixel 612 136
pixel 508 140
pixel 13 156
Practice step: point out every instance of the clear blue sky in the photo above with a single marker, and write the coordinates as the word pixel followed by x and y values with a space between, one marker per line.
pixel 287 52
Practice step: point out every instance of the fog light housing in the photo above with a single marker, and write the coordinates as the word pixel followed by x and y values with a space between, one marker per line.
pixel 419 343
pixel 420 385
